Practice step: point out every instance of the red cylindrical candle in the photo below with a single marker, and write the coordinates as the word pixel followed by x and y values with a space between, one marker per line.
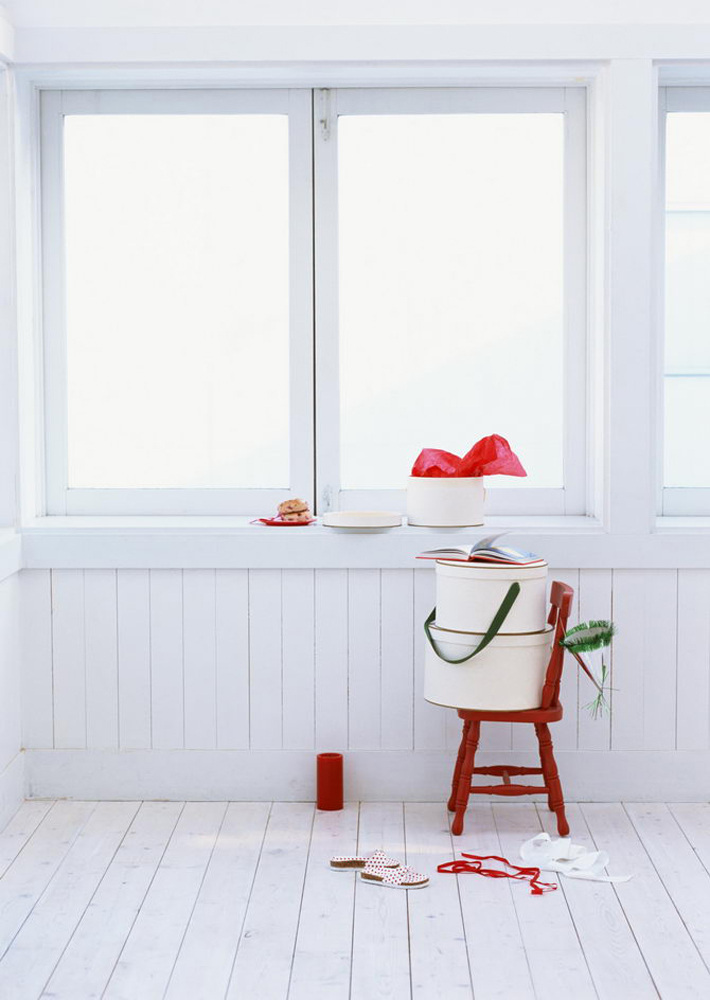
pixel 329 772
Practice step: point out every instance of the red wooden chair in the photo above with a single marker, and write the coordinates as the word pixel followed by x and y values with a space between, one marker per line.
pixel 550 710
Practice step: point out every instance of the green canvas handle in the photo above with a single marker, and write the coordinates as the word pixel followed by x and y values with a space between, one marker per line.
pixel 492 631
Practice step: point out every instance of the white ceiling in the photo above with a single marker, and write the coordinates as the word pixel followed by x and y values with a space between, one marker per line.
pixel 210 13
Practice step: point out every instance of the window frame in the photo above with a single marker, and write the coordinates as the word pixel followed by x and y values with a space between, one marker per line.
pixel 59 499
pixel 572 498
pixel 673 501
pixel 314 405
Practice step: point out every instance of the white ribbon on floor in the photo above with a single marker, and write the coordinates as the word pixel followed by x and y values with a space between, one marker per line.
pixel 570 859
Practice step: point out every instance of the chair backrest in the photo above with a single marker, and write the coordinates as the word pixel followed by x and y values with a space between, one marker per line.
pixel 561 596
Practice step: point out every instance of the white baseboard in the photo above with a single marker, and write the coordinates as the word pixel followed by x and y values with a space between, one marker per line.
pixel 12 787
pixel 289 775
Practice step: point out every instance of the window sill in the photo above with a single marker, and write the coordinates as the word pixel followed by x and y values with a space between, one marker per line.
pixel 242 526
pixel 667 525
pixel 233 543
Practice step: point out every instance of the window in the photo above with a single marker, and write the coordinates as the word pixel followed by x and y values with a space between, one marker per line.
pixel 184 320
pixel 178 331
pixel 686 458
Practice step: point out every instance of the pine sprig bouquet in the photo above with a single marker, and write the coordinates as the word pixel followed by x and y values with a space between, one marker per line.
pixel 588 637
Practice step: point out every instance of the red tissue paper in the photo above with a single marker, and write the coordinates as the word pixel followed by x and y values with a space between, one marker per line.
pixel 491 456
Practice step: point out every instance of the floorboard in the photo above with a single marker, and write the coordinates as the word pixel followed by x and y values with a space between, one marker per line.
pixel 18 831
pixel 615 962
pixel 496 951
pixel 683 875
pixel 146 962
pixel 218 901
pixel 439 968
pixel 555 954
pixel 323 954
pixel 206 956
pixel 265 953
pixel 88 961
pixel 28 876
pixel 670 953
pixel 39 944
pixel 380 934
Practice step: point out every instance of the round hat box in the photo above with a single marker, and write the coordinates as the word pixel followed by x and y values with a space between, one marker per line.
pixel 445 502
pixel 507 676
pixel 469 594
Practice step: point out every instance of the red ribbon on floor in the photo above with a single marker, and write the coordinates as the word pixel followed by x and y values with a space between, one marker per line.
pixel 474 867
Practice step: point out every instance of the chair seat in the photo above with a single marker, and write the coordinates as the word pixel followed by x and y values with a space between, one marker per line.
pixel 551 714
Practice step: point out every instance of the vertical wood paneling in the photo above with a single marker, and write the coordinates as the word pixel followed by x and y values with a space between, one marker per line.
pixel 693 709
pixel 199 659
pixel 397 677
pixel 328 659
pixel 68 641
pixel 101 658
pixel 297 617
pixel 167 717
pixel 594 602
pixel 36 649
pixel 265 658
pixel 428 719
pixel 644 675
pixel 331 663
pixel 453 728
pixel 564 732
pixel 364 677
pixel 10 716
pixel 232 658
pixel 134 698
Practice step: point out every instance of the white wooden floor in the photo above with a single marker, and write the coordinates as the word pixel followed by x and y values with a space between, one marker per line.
pixel 203 901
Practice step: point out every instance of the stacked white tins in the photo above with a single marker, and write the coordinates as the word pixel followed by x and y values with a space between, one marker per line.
pixel 508 673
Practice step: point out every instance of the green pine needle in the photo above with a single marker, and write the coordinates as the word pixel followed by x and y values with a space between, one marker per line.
pixel 599 705
pixel 589 636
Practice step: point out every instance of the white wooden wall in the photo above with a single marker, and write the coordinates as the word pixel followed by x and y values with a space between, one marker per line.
pixel 303 660
pixel 11 771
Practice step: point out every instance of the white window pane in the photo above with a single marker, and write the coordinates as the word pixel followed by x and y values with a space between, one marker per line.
pixel 688 291
pixel 687 145
pixel 687 321
pixel 451 290
pixel 177 300
pixel 687 445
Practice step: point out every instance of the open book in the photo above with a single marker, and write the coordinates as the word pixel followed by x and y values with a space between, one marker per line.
pixel 485 551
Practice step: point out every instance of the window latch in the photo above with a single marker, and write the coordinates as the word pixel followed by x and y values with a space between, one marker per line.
pixel 324 114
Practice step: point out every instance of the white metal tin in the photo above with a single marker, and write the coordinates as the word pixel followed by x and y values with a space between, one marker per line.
pixel 446 502
pixel 507 676
pixel 469 594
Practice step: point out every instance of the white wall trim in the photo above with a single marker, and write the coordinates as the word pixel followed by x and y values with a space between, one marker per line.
pixel 354 42
pixel 12 787
pixel 10 553
pixel 374 775
pixel 219 13
pixel 7 37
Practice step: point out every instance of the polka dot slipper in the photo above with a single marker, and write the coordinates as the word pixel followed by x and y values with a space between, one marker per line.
pixel 403 877
pixel 356 864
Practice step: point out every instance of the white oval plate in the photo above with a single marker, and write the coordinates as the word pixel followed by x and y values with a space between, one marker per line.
pixel 362 520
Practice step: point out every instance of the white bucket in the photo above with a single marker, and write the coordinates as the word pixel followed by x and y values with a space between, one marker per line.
pixel 507 676
pixel 469 594
pixel 445 502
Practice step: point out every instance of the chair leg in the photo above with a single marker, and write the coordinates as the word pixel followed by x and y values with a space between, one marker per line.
pixel 464 786
pixel 555 799
pixel 451 804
